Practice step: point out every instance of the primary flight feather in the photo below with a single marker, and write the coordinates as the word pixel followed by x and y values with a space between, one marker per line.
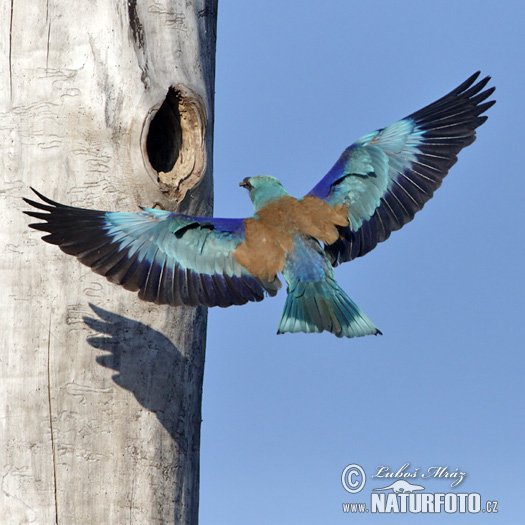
pixel 375 187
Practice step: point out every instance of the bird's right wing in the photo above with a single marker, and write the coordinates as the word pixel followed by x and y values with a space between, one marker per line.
pixel 387 176
pixel 170 258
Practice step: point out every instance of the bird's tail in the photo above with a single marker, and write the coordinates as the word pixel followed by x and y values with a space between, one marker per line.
pixel 323 305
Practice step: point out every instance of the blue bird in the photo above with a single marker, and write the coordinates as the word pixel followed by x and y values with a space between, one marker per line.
pixel 375 187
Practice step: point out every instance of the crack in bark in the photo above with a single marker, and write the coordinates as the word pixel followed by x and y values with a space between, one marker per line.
pixel 135 24
pixel 11 52
pixel 48 22
pixel 139 43
pixel 51 418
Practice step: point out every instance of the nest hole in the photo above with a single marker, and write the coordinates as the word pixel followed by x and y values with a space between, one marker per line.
pixel 164 140
pixel 173 141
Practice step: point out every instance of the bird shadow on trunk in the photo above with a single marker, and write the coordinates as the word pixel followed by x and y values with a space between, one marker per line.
pixel 148 364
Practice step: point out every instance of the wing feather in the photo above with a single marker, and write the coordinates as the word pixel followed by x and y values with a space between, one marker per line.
pixel 168 258
pixel 388 175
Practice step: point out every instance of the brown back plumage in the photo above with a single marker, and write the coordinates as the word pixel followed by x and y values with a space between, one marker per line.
pixel 270 234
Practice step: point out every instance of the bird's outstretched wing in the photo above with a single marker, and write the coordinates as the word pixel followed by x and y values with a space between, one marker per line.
pixel 388 175
pixel 170 258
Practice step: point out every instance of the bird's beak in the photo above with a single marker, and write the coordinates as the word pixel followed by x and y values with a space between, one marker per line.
pixel 246 183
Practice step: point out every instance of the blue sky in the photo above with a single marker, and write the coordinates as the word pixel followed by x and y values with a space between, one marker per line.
pixel 297 82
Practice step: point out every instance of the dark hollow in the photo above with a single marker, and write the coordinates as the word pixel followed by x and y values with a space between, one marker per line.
pixel 164 139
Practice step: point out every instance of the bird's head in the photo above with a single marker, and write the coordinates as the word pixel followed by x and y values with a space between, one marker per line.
pixel 263 189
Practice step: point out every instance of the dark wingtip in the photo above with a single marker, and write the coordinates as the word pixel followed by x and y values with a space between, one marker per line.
pixel 473 77
pixel 38 206
pixel 44 198
pixel 467 83
pixel 30 202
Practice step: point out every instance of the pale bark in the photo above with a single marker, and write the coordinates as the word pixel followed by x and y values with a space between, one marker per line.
pixel 100 412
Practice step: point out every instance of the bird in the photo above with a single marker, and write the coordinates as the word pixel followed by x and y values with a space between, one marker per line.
pixel 376 186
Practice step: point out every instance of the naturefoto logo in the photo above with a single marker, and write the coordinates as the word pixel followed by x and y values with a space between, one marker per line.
pixel 401 496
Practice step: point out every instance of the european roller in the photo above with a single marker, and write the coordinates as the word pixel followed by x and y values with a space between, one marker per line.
pixel 375 187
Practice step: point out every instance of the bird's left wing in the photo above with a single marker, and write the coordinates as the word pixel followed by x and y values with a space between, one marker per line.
pixel 387 176
pixel 170 258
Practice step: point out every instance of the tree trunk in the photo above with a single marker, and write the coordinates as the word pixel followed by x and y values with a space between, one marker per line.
pixel 105 105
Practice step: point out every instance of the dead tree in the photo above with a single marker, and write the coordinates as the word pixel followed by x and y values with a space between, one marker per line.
pixel 105 105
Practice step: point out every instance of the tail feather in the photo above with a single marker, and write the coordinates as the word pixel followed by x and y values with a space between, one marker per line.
pixel 317 306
